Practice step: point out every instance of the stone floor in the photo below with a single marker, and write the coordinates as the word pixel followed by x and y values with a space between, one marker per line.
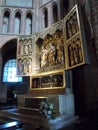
pixel 87 122
pixel 80 124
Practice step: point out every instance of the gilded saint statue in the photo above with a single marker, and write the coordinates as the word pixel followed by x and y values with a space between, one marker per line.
pixel 52 54
pixel 43 56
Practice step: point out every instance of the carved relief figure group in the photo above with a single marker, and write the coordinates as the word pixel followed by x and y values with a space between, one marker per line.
pixel 75 53
pixel 72 26
pixel 25 66
pixel 52 52
pixel 24 62
pixel 55 80
pixel 25 47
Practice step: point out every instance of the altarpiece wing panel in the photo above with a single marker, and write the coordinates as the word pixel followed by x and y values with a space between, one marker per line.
pixel 75 43
pixel 24 56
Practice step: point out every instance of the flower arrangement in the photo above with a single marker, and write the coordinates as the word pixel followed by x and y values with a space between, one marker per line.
pixel 46 110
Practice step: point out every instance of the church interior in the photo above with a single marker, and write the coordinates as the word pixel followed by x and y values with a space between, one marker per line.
pixel 48 64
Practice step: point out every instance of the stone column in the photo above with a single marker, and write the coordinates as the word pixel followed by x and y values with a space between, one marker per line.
pixel 12 21
pixel 59 11
pixel 0 65
pixel 2 2
pixel 42 17
pixel 36 22
pixel 23 23
pixel 1 21
pixel 94 22
pixel 50 15
pixel 33 23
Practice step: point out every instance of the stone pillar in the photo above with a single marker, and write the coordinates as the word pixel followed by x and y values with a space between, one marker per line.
pixel 23 23
pixel 2 2
pixel 50 15
pixel 0 64
pixel 43 21
pixel 33 23
pixel 94 22
pixel 37 20
pixel 42 16
pixel 12 22
pixel 59 11
pixel 37 17
pixel 1 21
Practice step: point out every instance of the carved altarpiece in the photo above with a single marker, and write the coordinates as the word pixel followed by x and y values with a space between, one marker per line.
pixel 52 51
